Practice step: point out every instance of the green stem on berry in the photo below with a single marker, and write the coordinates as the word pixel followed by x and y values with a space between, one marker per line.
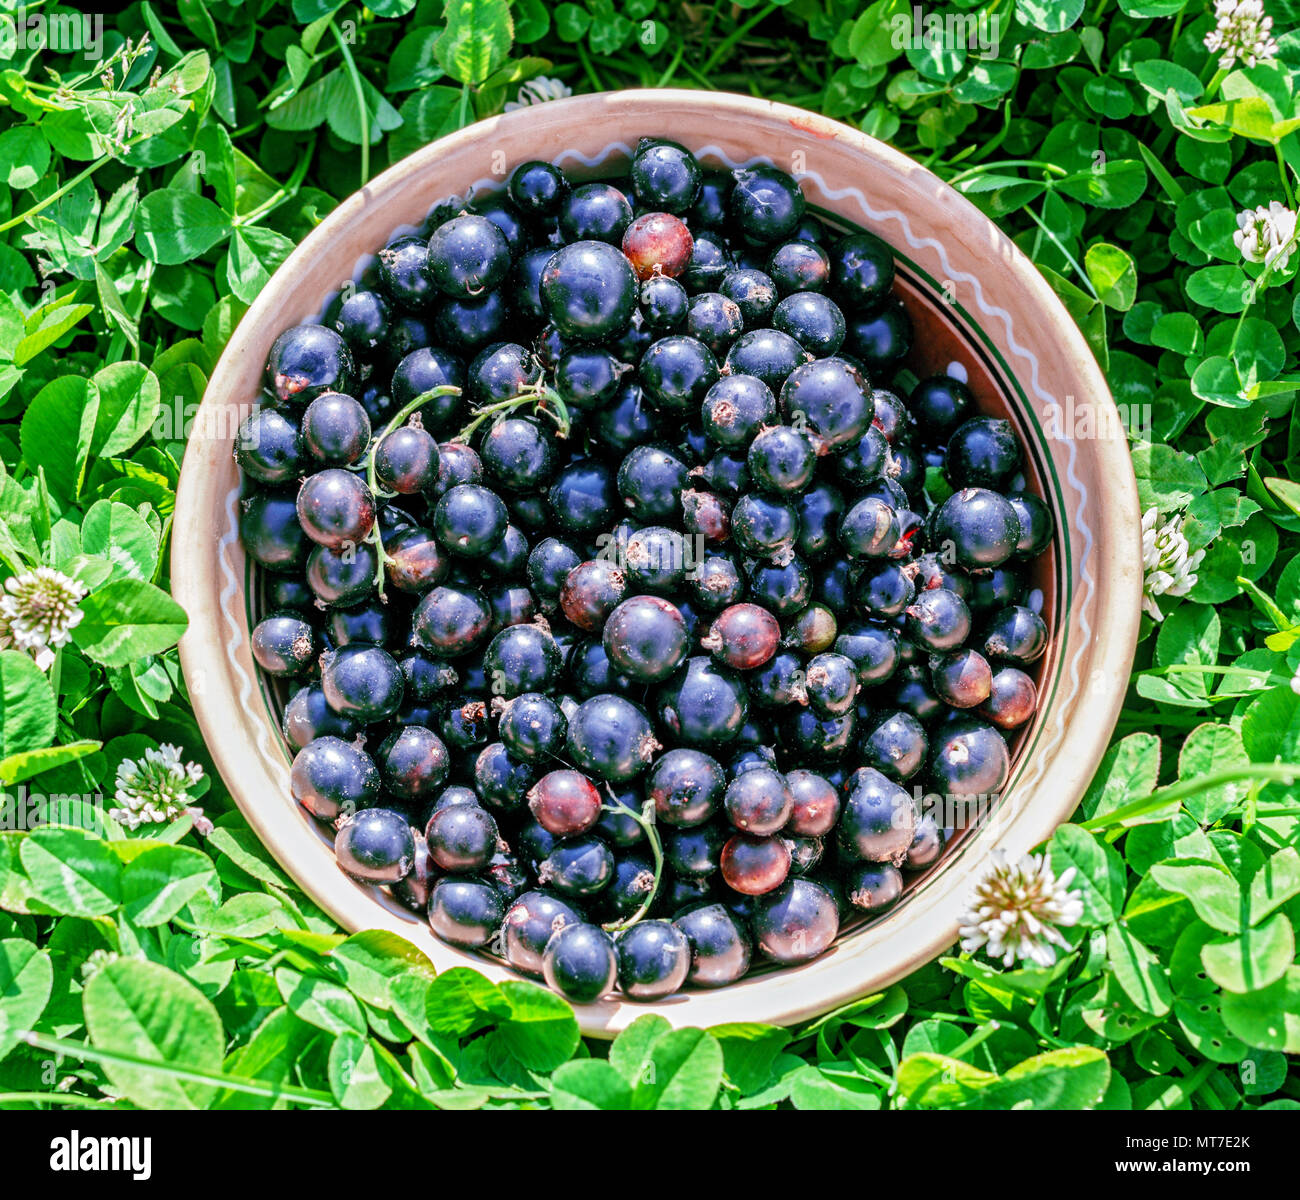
pixel 539 395
pixel 381 556
pixel 646 819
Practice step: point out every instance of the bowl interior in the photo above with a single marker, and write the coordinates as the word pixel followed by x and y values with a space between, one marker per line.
pixel 979 310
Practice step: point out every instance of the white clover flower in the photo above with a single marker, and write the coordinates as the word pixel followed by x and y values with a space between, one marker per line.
pixel 1016 908
pixel 38 612
pixel 1242 33
pixel 538 91
pixel 96 962
pixel 156 790
pixel 1266 235
pixel 1169 569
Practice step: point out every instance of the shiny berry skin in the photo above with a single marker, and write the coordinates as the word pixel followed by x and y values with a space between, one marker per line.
pixel 362 682
pixel 505 216
pixel 820 508
pixel 714 320
pixel 716 582
pixel 736 408
pixel 307 716
pixel 450 620
pixel 376 845
pixel 537 189
pixel 1012 699
pixel 465 912
pixel 654 959
pixel 831 684
pixel 591 591
pixel 645 638
pixel 577 867
pixel 938 619
pixel 896 746
pixel 755 865
pixel 508 559
pixel 469 520
pixel 927 844
pixel 872 647
pixel 423 370
pixel 982 452
pixel 869 529
pixel 694 852
pixel 344 576
pixel 580 962
pixel 335 508
pixel 461 838
pixel 710 208
pixel 913 693
pixel 758 801
pixel 529 924
pixel 743 636
pixel 523 287
pixel 969 758
pixel 594 212
pixel 873 887
pixel 425 676
pixel 565 803
pixel 590 671
pixel 781 460
pixel 665 176
pixel 988 591
pixel 468 256
pixel 961 679
pixel 764 526
pixel 518 454
pixel 362 319
pixel 878 820
pixel 465 726
pixel 796 923
pixel 467 326
pixel 663 303
pixel 880 338
pixel 589 290
pixel 532 727
pixel 650 481
pixel 656 559
pixel 500 373
pixel 549 563
pixel 885 589
pixel 413 889
pixel 766 204
pixel 813 630
pixel 707 515
pixel 618 824
pixel 816 804
pixel 778 683
pixel 754 291
pixel 940 404
pixel 720 948
pixel 416 562
pixel 686 787
pixel 588 376
pixel 406 460
pixel 413 762
pixel 634 880
pixel 331 777
pixel 611 738
pixel 1036 524
pixel 979 526
pixel 335 430
pixel 658 243
pixel 583 498
pixel 768 354
pixel 710 262
pixel 403 269
pixel 862 269
pixel 703 704
pixel 818 738
pixel 284 644
pixel 270 447
pixel 726 473
pixel 834 398
pixel 1016 635
pixel 677 372
pixel 307 360
pixel 522 658
pixel 501 780
pixel 798 266
pixel 813 320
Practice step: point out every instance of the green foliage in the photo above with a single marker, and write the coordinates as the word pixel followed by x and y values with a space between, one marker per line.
pixel 149 192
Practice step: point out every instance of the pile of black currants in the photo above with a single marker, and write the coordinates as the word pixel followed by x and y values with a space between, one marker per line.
pixel 630 610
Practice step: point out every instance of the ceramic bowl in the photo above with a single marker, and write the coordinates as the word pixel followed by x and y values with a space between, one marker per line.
pixel 980 310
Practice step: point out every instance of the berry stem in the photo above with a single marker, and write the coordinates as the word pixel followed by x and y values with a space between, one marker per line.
pixel 381 556
pixel 646 819
pixel 538 395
